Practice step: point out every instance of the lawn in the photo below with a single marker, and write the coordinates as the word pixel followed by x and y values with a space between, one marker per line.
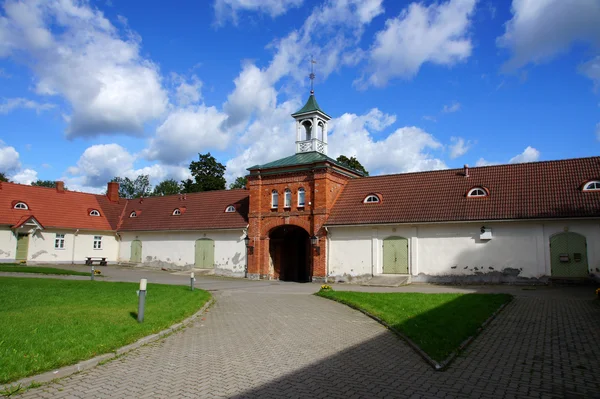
pixel 47 323
pixel 41 270
pixel 437 323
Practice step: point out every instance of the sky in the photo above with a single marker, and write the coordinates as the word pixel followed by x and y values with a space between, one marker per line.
pixel 90 90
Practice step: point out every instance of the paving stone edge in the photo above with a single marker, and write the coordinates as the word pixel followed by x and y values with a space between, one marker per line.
pixel 95 361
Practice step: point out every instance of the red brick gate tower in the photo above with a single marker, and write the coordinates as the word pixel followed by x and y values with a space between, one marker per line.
pixel 290 200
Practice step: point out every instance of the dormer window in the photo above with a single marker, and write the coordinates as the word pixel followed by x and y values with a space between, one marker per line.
pixel 94 212
pixel 133 214
pixel 593 185
pixel 230 209
pixel 287 198
pixel 274 199
pixel 477 192
pixel 21 205
pixel 371 199
pixel 176 212
pixel 301 197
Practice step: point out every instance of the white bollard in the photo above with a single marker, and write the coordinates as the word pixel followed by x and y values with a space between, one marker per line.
pixel 142 300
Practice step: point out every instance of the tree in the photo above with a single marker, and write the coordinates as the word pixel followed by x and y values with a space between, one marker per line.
pixel 139 187
pixel 352 163
pixel 45 183
pixel 240 182
pixel 207 175
pixel 4 178
pixel 167 187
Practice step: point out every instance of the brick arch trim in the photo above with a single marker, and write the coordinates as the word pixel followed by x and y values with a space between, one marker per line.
pixel 274 223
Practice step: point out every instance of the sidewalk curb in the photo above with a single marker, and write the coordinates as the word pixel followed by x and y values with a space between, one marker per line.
pixel 95 361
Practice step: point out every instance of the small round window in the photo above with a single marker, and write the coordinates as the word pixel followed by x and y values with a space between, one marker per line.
pixel 94 212
pixel 477 192
pixel 21 205
pixel 176 212
pixel 230 209
pixel 592 186
pixel 133 214
pixel 371 199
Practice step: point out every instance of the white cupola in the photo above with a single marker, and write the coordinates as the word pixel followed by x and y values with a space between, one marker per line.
pixel 311 127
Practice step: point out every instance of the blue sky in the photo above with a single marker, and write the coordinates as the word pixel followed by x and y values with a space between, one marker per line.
pixel 92 90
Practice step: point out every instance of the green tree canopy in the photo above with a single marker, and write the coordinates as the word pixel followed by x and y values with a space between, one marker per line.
pixel 45 183
pixel 207 175
pixel 3 177
pixel 240 182
pixel 167 187
pixel 136 188
pixel 353 163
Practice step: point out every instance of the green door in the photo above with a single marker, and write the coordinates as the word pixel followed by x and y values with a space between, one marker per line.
pixel 395 255
pixel 568 254
pixel 22 246
pixel 136 251
pixel 205 254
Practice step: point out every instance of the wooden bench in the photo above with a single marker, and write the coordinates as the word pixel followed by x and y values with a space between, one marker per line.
pixel 89 260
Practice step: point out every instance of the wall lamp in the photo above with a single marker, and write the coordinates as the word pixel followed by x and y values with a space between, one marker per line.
pixel 315 243
pixel 249 247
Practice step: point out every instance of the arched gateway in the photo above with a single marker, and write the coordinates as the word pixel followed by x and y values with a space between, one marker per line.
pixel 289 252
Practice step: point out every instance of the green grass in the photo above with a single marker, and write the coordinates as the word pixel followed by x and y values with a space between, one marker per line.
pixel 438 323
pixel 41 270
pixel 47 323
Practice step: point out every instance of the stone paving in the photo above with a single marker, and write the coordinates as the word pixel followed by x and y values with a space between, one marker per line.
pixel 271 340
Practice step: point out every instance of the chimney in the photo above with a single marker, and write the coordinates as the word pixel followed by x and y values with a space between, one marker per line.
pixel 466 170
pixel 112 191
pixel 60 186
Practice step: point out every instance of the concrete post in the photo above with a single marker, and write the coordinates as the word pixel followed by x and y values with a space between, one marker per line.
pixel 142 300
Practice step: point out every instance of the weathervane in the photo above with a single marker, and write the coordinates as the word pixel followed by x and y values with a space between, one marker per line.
pixel 312 75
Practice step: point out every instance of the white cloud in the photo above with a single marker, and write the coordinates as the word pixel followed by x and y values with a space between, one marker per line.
pixel 25 176
pixel 187 91
pixel 483 162
pixel 11 104
pixel 530 154
pixel 186 132
pixel 225 9
pixel 541 29
pixel 76 53
pixel 598 131
pixel 430 118
pixel 9 158
pixel 459 147
pixel 437 34
pixel 591 69
pixel 451 108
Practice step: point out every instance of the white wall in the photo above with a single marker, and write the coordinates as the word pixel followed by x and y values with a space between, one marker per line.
pixel 176 250
pixel 517 249
pixel 76 248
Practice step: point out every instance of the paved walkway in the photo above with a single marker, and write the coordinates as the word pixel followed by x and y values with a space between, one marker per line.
pixel 270 340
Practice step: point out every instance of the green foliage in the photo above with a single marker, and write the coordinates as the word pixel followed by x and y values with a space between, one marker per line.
pixel 54 323
pixel 14 268
pixel 167 187
pixel 207 175
pixel 240 182
pixel 45 183
pixel 139 187
pixel 438 323
pixel 353 163
pixel 3 177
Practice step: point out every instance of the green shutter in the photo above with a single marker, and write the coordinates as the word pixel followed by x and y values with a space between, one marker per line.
pixel 136 251
pixel 395 255
pixel 205 254
pixel 568 255
pixel 22 247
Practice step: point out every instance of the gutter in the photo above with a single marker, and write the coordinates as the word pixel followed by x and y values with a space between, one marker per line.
pixel 73 250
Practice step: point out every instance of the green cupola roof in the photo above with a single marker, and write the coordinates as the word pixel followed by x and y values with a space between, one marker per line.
pixel 310 106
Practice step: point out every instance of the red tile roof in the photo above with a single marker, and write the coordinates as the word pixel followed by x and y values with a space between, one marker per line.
pixel 199 211
pixel 68 209
pixel 550 189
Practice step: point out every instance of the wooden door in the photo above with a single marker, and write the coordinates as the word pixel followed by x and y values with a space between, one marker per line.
pixel 205 254
pixel 568 255
pixel 136 251
pixel 22 247
pixel 395 255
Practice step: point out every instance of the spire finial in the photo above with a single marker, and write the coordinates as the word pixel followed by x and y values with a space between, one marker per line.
pixel 312 75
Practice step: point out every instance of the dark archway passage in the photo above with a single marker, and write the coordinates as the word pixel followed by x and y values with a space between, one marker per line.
pixel 289 249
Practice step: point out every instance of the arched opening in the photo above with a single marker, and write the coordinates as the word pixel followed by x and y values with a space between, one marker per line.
pixel 321 131
pixel 308 128
pixel 289 249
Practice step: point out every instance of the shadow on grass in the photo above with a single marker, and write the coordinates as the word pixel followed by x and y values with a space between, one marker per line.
pixel 134 315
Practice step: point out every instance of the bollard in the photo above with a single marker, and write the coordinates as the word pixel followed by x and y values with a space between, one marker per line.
pixel 142 300
pixel 192 279
pixel 92 275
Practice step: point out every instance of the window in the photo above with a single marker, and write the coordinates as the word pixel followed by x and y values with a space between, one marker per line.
pixel 287 198
pixel 133 214
pixel 59 241
pixel 477 192
pixel 592 186
pixel 97 242
pixel 274 199
pixel 21 205
pixel 300 197
pixel 230 209
pixel 176 212
pixel 371 199
pixel 94 213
